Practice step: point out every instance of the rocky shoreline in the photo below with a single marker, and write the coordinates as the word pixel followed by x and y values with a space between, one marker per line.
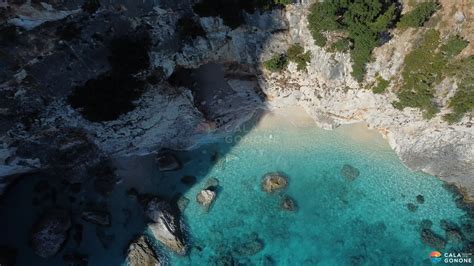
pixel 176 92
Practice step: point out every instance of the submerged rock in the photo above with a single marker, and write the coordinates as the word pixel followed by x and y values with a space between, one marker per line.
pixel 426 224
pixel 167 162
pixel 50 232
pixel 454 236
pixel 182 203
pixel 188 180
pixel 287 203
pixel 273 182
pixel 105 239
pixel 96 217
pixel 212 183
pixel 268 261
pixel 431 239
pixel 166 225
pixel 140 253
pixel 248 248
pixel 206 197
pixel 74 259
pixel 420 199
pixel 349 172
pixel 412 207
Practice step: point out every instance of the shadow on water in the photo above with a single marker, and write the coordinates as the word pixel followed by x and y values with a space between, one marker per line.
pixel 30 196
pixel 213 95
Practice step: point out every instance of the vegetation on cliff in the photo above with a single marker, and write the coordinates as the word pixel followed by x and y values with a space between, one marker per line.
pixel 363 21
pixel 381 86
pixel 277 63
pixel 417 17
pixel 463 100
pixel 295 53
pixel 425 67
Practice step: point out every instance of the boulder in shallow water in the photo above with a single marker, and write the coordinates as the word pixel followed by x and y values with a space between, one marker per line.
pixel 212 183
pixel 412 207
pixel 50 232
pixel 206 197
pixel 426 224
pixel 166 225
pixel 454 236
pixel 182 203
pixel 101 218
pixel 167 162
pixel 248 248
pixel 349 172
pixel 431 239
pixel 140 253
pixel 288 204
pixel 274 182
pixel 420 199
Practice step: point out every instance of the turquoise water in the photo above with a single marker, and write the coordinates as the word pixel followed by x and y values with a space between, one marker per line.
pixel 338 222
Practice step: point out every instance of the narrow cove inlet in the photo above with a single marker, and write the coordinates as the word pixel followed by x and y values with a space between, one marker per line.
pixel 236 132
pixel 344 198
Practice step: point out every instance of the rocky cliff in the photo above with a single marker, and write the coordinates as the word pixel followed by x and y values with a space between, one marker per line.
pixel 163 77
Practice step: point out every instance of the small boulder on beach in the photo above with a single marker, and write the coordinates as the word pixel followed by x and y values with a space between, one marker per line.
pixel 274 182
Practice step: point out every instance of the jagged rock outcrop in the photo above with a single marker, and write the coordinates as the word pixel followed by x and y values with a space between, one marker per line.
pixel 140 253
pixel 166 225
pixel 50 232
pixel 179 116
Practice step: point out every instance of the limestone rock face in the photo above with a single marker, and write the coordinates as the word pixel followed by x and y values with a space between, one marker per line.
pixel 274 182
pixel 140 253
pixel 50 232
pixel 170 116
pixel 166 225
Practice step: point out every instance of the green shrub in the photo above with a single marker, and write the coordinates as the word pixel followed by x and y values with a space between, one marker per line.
pixel 382 84
pixel 453 46
pixel 277 63
pixel 364 21
pixel 341 45
pixel 463 100
pixel 417 17
pixel 297 55
pixel 424 68
pixel 283 2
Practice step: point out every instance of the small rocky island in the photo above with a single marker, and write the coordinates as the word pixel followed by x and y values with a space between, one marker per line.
pixel 113 113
